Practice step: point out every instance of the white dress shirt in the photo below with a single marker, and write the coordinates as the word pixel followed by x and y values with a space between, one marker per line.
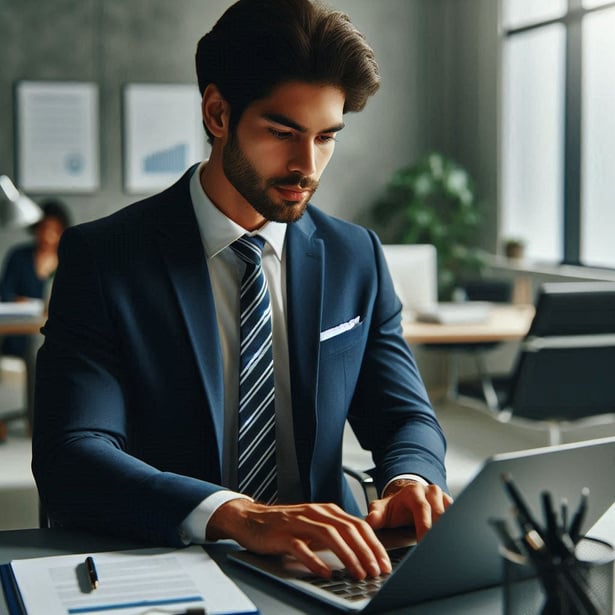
pixel 226 269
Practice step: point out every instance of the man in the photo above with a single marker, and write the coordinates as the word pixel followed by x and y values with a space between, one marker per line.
pixel 142 403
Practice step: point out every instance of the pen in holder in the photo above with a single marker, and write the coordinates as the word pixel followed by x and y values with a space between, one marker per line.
pixel 551 569
pixel 583 586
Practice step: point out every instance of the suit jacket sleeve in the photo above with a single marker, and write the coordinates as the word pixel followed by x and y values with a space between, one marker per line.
pixel 390 411
pixel 87 474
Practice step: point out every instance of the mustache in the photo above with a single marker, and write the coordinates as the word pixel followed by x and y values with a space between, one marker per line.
pixel 300 181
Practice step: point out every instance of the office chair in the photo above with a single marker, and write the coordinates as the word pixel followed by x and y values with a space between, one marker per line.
pixel 565 370
pixel 362 485
pixel 479 289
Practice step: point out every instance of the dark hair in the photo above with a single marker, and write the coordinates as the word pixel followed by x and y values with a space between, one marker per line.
pixel 53 208
pixel 259 44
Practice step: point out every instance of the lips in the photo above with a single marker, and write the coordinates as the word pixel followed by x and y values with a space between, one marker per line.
pixel 292 194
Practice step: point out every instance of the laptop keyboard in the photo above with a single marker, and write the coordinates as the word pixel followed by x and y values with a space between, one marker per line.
pixel 343 585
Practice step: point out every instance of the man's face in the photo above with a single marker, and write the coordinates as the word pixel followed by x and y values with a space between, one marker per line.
pixel 281 147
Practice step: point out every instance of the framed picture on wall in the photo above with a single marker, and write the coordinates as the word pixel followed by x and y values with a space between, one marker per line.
pixel 163 134
pixel 57 136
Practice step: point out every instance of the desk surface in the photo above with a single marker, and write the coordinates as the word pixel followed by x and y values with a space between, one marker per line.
pixel 269 597
pixel 505 323
pixel 22 325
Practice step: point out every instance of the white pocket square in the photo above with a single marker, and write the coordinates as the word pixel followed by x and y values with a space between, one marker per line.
pixel 338 329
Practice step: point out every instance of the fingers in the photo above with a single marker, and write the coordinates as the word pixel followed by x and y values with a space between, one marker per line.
pixel 345 541
pixel 308 558
pixel 376 517
pixel 426 507
pixel 350 538
pixel 372 556
pixel 414 505
pixel 303 529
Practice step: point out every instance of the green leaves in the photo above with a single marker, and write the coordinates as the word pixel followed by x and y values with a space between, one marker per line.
pixel 433 201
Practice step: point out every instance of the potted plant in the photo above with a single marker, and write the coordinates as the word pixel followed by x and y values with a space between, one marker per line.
pixel 514 248
pixel 433 201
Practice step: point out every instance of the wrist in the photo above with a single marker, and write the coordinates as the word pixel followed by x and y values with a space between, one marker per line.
pixel 228 518
pixel 397 485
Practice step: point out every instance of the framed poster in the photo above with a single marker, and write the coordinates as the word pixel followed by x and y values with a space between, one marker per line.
pixel 163 134
pixel 57 136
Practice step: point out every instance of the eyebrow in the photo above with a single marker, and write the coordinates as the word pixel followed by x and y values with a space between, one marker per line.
pixel 286 121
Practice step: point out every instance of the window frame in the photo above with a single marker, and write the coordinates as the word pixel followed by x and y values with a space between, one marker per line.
pixel 572 20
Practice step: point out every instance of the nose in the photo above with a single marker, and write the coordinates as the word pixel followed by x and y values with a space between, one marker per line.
pixel 303 159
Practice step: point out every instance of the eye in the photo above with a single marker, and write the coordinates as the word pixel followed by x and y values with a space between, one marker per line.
pixel 280 134
pixel 324 139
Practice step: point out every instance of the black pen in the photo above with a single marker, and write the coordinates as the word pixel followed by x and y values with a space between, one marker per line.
pixel 550 518
pixel 523 512
pixel 90 566
pixel 564 515
pixel 501 528
pixel 579 515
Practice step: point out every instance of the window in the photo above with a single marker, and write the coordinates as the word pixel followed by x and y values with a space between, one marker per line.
pixel 558 130
pixel 598 143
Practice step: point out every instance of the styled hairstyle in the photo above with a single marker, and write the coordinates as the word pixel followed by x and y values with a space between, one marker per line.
pixel 52 208
pixel 259 44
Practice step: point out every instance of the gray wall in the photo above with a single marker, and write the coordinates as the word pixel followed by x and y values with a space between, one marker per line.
pixel 459 69
pixel 112 42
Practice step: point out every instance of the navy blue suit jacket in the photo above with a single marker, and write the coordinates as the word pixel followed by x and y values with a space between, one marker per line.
pixel 129 387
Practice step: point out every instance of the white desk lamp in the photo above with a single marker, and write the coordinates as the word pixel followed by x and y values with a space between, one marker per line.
pixel 16 209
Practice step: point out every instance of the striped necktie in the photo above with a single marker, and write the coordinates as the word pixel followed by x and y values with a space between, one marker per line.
pixel 256 472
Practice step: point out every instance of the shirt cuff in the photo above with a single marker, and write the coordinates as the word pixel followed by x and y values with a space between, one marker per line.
pixel 414 477
pixel 193 528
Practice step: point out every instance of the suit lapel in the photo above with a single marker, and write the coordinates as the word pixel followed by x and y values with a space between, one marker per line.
pixel 304 289
pixel 183 254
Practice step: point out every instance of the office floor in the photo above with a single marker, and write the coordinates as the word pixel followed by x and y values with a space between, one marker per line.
pixel 472 435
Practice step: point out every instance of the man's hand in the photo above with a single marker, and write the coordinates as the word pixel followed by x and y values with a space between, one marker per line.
pixel 408 503
pixel 300 530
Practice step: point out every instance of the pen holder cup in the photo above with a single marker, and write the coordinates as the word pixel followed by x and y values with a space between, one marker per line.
pixel 581 587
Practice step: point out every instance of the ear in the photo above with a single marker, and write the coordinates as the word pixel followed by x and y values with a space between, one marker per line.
pixel 215 110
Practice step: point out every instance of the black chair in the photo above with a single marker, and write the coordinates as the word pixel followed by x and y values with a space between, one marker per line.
pixel 565 369
pixel 479 289
pixel 483 289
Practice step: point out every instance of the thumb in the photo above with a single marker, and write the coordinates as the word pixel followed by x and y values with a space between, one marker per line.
pixel 376 515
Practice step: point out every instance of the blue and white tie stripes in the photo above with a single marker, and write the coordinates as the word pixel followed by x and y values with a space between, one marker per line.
pixel 256 472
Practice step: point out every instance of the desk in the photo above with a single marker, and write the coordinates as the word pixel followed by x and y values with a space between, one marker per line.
pixel 269 597
pixel 505 323
pixel 21 326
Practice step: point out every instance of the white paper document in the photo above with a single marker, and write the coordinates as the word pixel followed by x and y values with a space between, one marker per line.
pixel 133 582
pixel 468 313
pixel 10 310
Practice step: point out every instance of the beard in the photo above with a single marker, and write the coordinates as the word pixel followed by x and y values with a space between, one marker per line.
pixel 253 187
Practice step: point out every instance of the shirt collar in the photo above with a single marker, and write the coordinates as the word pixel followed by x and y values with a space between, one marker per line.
pixel 218 231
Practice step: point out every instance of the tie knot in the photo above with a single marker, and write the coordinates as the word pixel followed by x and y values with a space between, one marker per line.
pixel 249 249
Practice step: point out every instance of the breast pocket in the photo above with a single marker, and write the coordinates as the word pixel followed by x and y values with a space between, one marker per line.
pixel 341 342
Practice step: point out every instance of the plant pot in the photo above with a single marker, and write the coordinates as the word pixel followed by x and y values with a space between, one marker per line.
pixel 514 250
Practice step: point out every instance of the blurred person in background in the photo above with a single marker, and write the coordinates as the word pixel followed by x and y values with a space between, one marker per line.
pixel 29 267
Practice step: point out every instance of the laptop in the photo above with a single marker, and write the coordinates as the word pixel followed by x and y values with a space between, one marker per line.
pixel 460 552
pixel 414 272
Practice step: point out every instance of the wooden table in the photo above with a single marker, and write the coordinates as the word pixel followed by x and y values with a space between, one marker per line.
pixel 505 323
